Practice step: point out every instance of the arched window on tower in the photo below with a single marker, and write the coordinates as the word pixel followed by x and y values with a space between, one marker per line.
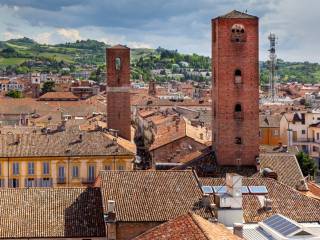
pixel 118 63
pixel 237 76
pixel 238 113
pixel 238 33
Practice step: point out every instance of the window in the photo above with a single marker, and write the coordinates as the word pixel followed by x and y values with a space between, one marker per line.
pixel 238 140
pixel 276 132
pixel 2 183
pixel 30 182
pixel 45 168
pixel 238 33
pixel 303 131
pixel 318 136
pixel 238 108
pixel 61 172
pixel 75 171
pixel 15 168
pixel 118 63
pixel 238 111
pixel 46 182
pixel 120 167
pixel 14 183
pixel 237 76
pixel 30 168
pixel 91 172
pixel 107 167
pixel 0 169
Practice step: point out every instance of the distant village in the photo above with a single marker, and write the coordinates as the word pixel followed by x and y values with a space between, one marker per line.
pixel 121 159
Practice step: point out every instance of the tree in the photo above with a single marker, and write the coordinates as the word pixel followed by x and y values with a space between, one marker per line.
pixel 307 164
pixel 48 87
pixel 14 94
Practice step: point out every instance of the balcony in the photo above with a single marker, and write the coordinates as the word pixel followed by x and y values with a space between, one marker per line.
pixel 38 182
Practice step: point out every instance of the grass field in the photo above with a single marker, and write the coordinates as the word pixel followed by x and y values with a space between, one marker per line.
pixel 12 61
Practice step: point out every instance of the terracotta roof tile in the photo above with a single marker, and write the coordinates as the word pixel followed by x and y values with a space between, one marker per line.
pixel 188 227
pixel 151 195
pixel 65 143
pixel 51 213
pixel 285 200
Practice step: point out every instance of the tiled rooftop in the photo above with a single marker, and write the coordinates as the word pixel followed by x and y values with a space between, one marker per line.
pixel 51 213
pixel 189 227
pixel 64 143
pixel 151 195
pixel 285 200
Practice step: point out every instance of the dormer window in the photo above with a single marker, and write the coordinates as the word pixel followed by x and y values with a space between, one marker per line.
pixel 238 33
pixel 237 76
pixel 118 63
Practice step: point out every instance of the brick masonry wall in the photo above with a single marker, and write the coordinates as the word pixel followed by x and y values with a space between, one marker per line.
pixel 227 57
pixel 118 99
pixel 129 230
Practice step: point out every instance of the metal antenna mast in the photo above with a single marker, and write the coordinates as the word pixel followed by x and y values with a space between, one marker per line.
pixel 272 68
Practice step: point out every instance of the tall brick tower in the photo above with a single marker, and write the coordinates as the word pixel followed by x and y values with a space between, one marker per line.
pixel 235 88
pixel 118 86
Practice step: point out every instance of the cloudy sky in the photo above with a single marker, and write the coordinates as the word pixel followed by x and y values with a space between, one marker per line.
pixel 173 24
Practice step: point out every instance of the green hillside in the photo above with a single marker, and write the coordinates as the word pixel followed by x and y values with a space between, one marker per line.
pixel 25 55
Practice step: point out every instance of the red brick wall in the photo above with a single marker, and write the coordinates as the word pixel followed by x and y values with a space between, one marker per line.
pixel 129 230
pixel 227 57
pixel 118 96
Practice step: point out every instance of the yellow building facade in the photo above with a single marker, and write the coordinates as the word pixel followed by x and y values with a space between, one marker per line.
pixel 61 159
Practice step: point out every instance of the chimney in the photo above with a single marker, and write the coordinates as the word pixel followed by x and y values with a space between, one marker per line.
pixel 110 220
pixel 205 201
pixel 267 204
pixel 238 229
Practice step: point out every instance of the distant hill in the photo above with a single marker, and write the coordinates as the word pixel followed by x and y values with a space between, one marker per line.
pixel 20 55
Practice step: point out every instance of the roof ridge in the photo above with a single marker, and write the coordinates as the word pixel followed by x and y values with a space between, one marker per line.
pixel 192 215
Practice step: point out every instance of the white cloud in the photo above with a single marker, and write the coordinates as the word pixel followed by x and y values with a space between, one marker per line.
pixel 11 35
pixel 44 38
pixel 69 34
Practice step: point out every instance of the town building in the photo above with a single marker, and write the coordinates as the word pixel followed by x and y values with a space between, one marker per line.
pixel 59 157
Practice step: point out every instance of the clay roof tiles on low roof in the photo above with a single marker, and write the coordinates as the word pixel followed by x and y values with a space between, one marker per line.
pixel 51 213
pixel 65 143
pixel 286 166
pixel 155 196
pixel 190 227
pixel 285 200
pixel 58 95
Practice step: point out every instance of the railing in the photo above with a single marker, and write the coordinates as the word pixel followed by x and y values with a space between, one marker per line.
pixel 38 182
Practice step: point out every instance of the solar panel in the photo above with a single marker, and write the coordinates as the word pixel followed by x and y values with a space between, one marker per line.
pixel 258 189
pixel 219 189
pixel 207 189
pixel 244 190
pixel 281 225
